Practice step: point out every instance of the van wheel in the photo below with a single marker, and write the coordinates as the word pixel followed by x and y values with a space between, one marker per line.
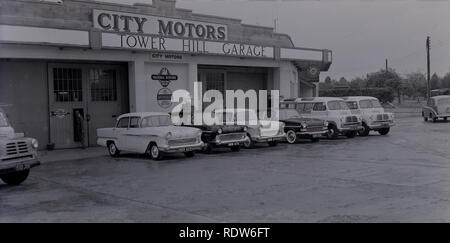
pixel 189 154
pixel 113 150
pixel 291 137
pixel 365 132
pixel 333 132
pixel 384 131
pixel 154 152
pixel 15 178
pixel 351 134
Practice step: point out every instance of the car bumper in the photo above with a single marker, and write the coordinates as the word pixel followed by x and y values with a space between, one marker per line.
pixel 261 139
pixel 311 134
pixel 12 165
pixel 235 142
pixel 182 148
pixel 381 125
pixel 351 128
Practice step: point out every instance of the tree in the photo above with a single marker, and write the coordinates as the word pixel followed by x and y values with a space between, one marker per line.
pixel 445 81
pixel 415 85
pixel 434 82
pixel 386 79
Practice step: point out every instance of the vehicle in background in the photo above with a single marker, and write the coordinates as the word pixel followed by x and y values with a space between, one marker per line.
pixel 149 133
pixel 374 118
pixel 437 107
pixel 18 154
pixel 258 131
pixel 334 110
pixel 225 133
pixel 298 127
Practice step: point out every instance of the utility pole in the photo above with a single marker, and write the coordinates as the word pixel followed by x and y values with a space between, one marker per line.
pixel 428 68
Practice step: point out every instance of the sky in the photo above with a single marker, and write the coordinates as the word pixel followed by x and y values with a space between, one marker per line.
pixel 361 33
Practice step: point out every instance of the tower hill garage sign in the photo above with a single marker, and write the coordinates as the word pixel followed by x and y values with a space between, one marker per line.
pixel 143 32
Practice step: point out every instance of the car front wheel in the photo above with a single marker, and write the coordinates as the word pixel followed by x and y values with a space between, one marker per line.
pixel 333 132
pixel 15 178
pixel 384 131
pixel 291 137
pixel 248 142
pixel 113 150
pixel 154 152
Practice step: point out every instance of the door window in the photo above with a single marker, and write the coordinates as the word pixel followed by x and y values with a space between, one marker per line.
pixel 134 122
pixel 103 84
pixel 319 107
pixel 67 85
pixel 123 122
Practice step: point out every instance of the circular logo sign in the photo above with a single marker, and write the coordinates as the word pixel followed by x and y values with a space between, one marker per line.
pixel 164 97
pixel 313 71
pixel 164 77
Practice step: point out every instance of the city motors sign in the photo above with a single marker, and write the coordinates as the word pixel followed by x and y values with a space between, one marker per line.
pixel 160 34
pixel 155 25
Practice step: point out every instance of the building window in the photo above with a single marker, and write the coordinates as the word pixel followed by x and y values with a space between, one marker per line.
pixel 67 85
pixel 213 81
pixel 103 84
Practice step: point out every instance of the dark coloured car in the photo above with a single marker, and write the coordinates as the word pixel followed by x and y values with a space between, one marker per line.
pixel 298 127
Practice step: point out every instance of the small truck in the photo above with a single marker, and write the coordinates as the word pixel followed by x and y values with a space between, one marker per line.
pixel 18 154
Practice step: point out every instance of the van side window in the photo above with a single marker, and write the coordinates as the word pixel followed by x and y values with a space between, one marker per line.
pixel 134 122
pixel 123 122
pixel 319 107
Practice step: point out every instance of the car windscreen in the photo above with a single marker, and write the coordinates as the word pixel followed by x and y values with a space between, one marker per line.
pixel 288 113
pixel 445 101
pixel 367 104
pixel 352 105
pixel 337 105
pixel 156 121
pixel 3 120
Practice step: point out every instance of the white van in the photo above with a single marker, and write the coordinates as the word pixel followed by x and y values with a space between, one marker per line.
pixel 340 119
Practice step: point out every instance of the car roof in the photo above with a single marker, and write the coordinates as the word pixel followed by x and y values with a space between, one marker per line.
pixel 441 97
pixel 143 114
pixel 358 98
pixel 313 99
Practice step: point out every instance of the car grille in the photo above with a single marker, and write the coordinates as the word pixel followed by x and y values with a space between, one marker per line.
pixel 231 136
pixel 351 119
pixel 382 117
pixel 314 129
pixel 181 142
pixel 14 148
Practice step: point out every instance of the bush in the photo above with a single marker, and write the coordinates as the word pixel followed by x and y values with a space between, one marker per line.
pixel 383 94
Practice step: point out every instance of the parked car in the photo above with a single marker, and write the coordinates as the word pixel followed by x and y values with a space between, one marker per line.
pixel 18 154
pixel 374 118
pixel 298 127
pixel 437 107
pixel 224 133
pixel 149 133
pixel 334 110
pixel 258 131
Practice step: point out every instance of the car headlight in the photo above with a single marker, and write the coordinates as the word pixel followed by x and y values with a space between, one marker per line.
pixel 303 125
pixel 169 135
pixel 245 128
pixel 34 143
pixel 219 131
pixel 325 124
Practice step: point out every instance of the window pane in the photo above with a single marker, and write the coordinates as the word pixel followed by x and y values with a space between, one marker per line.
pixel 123 123
pixel 365 104
pixel 103 84
pixel 134 122
pixel 67 85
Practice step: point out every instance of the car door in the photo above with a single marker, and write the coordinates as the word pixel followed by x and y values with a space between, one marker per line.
pixel 131 139
pixel 119 133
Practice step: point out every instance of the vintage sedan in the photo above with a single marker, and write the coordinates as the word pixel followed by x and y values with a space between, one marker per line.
pixel 298 127
pixel 149 133
pixel 438 107
pixel 258 131
pixel 18 154
pixel 222 134
pixel 374 118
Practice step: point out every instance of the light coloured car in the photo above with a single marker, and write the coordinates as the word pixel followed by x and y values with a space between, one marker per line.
pixel 258 131
pixel 438 107
pixel 334 110
pixel 149 133
pixel 374 118
pixel 18 154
